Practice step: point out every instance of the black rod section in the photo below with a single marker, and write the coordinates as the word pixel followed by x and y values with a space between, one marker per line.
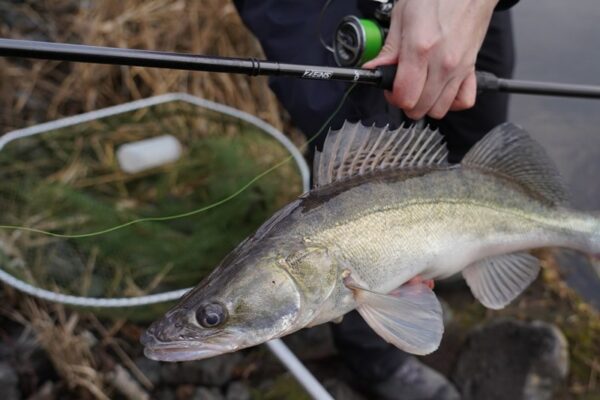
pixel 489 81
pixel 382 77
pixel 549 89
pixel 144 58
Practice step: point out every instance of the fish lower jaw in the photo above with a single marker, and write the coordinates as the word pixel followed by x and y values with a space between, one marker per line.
pixel 183 353
pixel 173 355
pixel 184 350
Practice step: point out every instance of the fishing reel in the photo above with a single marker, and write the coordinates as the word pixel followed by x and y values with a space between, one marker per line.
pixel 358 40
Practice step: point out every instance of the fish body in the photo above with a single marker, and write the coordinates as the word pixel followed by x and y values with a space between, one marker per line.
pixel 386 208
pixel 387 231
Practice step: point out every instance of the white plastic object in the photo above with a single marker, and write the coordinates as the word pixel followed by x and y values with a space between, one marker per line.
pixel 148 153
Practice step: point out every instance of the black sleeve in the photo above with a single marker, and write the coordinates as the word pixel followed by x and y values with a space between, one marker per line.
pixel 505 4
pixel 288 32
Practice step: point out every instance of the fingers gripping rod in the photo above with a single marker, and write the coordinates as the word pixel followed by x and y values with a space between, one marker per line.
pixel 382 77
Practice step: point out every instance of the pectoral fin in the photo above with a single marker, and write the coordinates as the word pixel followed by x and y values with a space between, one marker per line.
pixel 497 281
pixel 410 317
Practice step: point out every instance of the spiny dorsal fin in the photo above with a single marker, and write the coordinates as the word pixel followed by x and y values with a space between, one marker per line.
pixel 510 151
pixel 357 150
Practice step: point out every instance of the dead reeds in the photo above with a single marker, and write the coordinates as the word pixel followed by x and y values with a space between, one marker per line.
pixel 71 172
pixel 68 347
pixel 34 91
pixel 70 182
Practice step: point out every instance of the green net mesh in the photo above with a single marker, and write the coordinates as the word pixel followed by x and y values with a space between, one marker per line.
pixel 69 181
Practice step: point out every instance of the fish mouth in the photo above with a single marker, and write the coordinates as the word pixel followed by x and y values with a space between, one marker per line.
pixel 174 354
pixel 157 350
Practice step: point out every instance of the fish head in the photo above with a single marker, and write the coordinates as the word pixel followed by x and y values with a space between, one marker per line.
pixel 246 301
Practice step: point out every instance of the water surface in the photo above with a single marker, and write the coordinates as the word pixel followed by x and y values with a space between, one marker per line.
pixel 559 41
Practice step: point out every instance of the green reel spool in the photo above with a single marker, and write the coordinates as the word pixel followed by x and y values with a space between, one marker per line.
pixel 357 41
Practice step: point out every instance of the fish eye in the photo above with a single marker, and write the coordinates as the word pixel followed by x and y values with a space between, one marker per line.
pixel 211 315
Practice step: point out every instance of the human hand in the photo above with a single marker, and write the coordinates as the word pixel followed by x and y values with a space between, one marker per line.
pixel 435 45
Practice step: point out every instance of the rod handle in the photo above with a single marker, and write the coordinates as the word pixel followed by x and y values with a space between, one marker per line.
pixel 485 80
pixel 387 72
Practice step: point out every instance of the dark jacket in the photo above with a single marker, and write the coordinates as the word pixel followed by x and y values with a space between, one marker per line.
pixel 288 32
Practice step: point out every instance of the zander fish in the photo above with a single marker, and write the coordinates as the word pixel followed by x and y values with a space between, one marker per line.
pixel 386 207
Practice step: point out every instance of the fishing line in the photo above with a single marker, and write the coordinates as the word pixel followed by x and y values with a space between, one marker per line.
pixel 189 213
pixel 319 24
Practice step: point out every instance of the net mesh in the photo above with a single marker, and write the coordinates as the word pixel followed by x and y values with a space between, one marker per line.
pixel 69 181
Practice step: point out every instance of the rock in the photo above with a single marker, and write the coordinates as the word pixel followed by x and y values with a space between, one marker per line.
pixel 151 369
pixel 203 393
pixel 45 392
pixel 9 382
pixel 23 352
pixel 184 392
pixel 215 371
pixel 512 360
pixel 123 381
pixel 312 343
pixel 340 390
pixel 237 391
pixel 170 373
pixel 165 394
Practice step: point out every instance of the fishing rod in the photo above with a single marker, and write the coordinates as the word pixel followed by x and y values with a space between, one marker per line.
pixel 382 77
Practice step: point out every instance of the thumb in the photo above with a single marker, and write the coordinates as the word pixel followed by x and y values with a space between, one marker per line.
pixel 388 55
pixel 390 50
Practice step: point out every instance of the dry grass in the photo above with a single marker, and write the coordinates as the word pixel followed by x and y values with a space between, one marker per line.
pixel 68 347
pixel 70 182
pixel 32 91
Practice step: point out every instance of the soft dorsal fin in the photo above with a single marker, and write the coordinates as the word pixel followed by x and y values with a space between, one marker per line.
pixel 356 150
pixel 510 151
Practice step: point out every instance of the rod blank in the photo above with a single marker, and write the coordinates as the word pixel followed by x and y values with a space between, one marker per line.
pixel 156 59
pixel 382 77
pixel 489 81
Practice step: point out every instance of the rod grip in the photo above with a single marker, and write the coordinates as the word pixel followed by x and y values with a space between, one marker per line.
pixel 387 72
pixel 485 80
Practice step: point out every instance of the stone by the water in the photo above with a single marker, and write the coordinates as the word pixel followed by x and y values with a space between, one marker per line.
pixel 9 382
pixel 512 360
pixel 340 390
pixel 215 371
pixel 150 368
pixel 165 394
pixel 312 343
pixel 237 391
pixel 170 373
pixel 203 393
